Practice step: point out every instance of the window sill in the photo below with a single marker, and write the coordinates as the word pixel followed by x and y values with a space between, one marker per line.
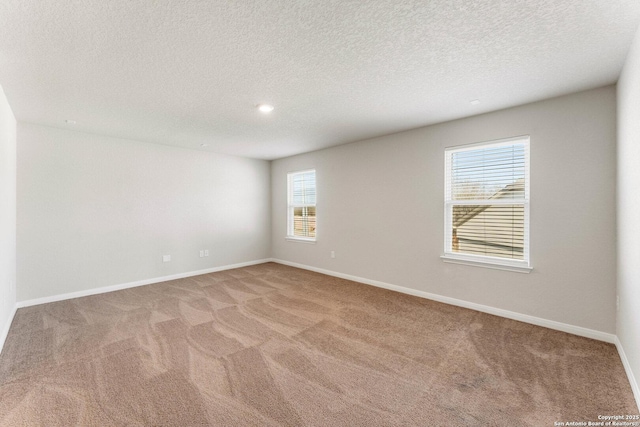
pixel 496 265
pixel 300 240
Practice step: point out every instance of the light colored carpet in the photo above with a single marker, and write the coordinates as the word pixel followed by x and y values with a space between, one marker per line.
pixel 270 345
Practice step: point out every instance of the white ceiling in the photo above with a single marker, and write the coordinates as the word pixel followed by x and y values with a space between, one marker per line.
pixel 188 72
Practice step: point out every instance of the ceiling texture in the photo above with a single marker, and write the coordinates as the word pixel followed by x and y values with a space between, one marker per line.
pixel 191 72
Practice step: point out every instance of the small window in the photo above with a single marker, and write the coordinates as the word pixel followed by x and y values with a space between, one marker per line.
pixel 487 204
pixel 301 222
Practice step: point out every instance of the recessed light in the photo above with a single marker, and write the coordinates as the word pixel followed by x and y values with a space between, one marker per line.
pixel 474 102
pixel 204 145
pixel 265 108
pixel 70 122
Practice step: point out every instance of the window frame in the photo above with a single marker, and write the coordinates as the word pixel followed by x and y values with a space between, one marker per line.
pixel 522 266
pixel 291 206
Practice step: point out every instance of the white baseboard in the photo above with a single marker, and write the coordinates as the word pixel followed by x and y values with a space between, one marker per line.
pixel 627 368
pixel 576 330
pixel 7 326
pixel 105 289
pixel 551 324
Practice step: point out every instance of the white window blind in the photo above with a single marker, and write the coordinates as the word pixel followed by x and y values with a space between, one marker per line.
pixel 487 202
pixel 301 223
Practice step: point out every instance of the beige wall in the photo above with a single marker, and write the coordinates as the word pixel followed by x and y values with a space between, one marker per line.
pixel 628 320
pixel 380 208
pixel 95 211
pixel 7 216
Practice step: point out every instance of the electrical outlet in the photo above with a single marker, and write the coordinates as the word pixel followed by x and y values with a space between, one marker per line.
pixel 206 252
pixel 201 254
pixel 333 254
pixel 166 258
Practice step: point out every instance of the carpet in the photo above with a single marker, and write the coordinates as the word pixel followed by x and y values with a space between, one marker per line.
pixel 272 345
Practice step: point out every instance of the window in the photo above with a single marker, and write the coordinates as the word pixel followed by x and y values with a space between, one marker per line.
pixel 301 222
pixel 487 204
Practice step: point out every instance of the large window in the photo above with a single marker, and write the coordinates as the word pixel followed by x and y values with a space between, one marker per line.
pixel 487 204
pixel 301 222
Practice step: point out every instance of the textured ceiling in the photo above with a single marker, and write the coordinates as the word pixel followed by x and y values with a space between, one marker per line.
pixel 187 73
